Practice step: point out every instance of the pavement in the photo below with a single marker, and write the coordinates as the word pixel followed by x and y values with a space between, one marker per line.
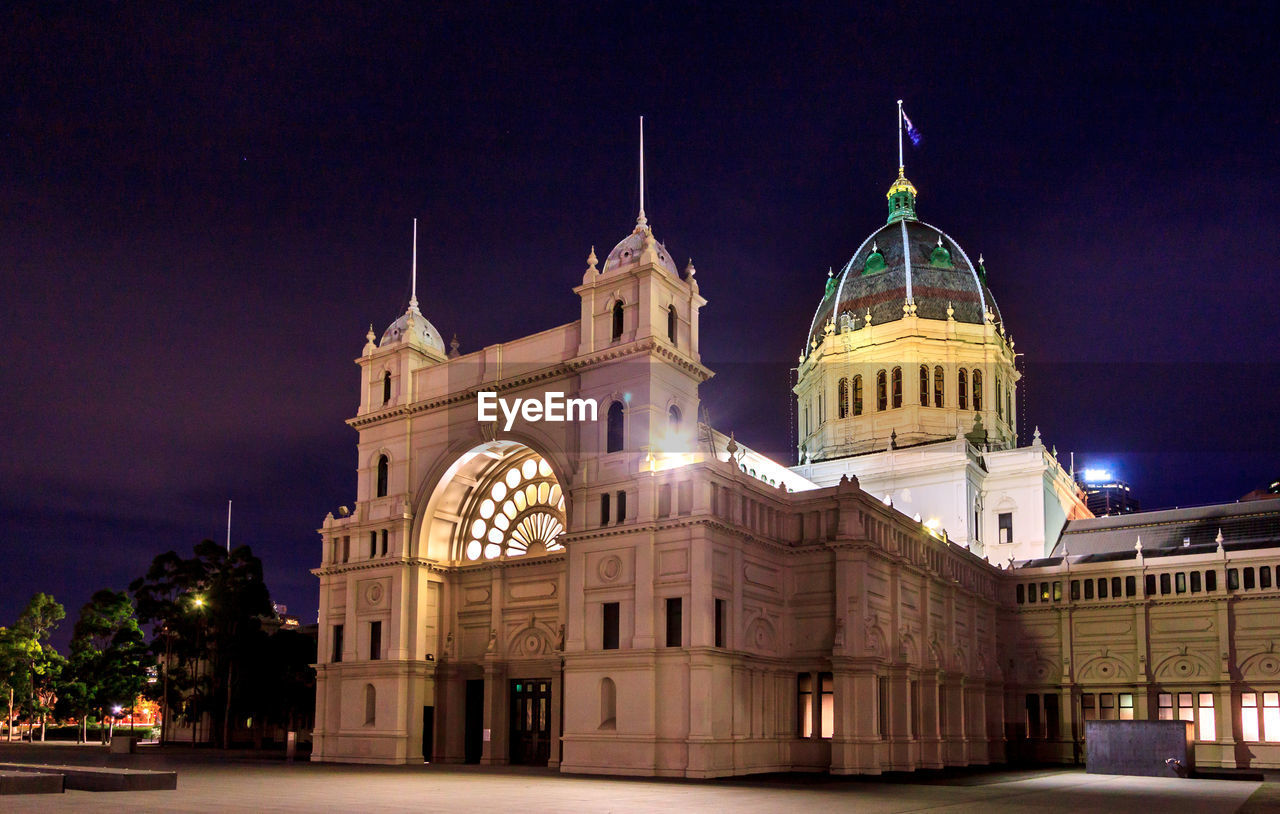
pixel 210 781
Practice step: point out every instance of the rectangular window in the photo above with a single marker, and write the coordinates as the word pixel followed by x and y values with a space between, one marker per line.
pixel 1006 527
pixel 1271 716
pixel 827 711
pixel 622 506
pixel 1107 706
pixel 1031 593
pixel 1249 716
pixel 609 617
pixel 1126 706
pixel 1088 589
pixel 719 632
pixel 604 509
pixel 1130 586
pixel 1165 704
pixel 1115 587
pixel 1195 582
pixel 1051 716
pixel 375 641
pixel 1233 579
pixel 1075 590
pixel 675 622
pixel 1035 728
pixel 1248 579
pixel 914 717
pixel 1088 707
pixel 1149 584
pixel 346 548
pixel 664 500
pixel 1211 581
pixel 804 704
pixel 1208 720
pixel 337 644
pixel 1022 593
pixel 1264 577
pixel 1180 582
pixel 1186 712
pixel 1102 588
pixel 1044 592
pixel 384 542
pixel 373 544
pixel 1164 584
pixel 882 706
pixel 1057 592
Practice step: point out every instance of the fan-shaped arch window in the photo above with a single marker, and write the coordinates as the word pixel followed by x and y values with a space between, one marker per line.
pixel 939 386
pixel 924 385
pixel 384 467
pixel 516 509
pixel 857 395
pixel 962 389
pixel 386 387
pixel 842 397
pixel 882 391
pixel 613 428
pixel 897 387
pixel 671 324
pixel 977 389
pixel 617 320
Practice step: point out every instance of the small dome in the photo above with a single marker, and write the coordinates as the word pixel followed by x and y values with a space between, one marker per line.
pixel 627 253
pixel 426 332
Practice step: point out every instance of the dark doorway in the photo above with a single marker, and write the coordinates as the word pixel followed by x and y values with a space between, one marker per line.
pixel 531 721
pixel 475 720
pixel 428 732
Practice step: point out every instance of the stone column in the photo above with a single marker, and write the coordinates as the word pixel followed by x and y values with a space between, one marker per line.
pixel 496 720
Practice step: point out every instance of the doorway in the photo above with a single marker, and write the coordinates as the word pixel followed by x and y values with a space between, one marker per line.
pixel 531 721
pixel 474 741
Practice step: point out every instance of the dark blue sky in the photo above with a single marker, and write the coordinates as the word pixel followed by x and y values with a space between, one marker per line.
pixel 202 208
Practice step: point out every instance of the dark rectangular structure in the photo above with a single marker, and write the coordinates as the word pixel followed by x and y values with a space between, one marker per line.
pixel 1142 748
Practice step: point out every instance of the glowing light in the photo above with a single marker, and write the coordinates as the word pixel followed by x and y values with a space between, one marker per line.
pixel 1097 475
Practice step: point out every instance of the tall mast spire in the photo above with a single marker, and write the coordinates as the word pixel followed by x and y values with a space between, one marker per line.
pixel 642 221
pixel 413 297
pixel 901 166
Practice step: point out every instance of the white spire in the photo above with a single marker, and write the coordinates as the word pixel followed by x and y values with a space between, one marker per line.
pixel 900 164
pixel 642 221
pixel 413 297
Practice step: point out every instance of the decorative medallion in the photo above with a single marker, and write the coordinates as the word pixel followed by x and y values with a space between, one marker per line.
pixel 610 568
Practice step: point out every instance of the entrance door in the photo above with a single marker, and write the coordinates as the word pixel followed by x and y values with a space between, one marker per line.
pixel 428 732
pixel 531 721
pixel 474 742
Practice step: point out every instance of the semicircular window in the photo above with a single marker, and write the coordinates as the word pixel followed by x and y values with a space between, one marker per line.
pixel 516 510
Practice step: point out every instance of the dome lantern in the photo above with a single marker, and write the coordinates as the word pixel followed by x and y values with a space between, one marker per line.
pixel 902 198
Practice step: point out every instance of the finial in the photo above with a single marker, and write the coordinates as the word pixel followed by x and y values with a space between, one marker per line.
pixel 951 312
pixel 413 297
pixel 369 337
pixel 868 317
pixel 732 446
pixel 893 439
pixel 592 260
pixel 979 258
pixel 875 246
pixel 1218 540
pixel 453 346
pixel 1035 437
pixel 642 222
pixel 830 272
pixel 689 270
pixel 1138 545
pixel 369 346
pixel 939 239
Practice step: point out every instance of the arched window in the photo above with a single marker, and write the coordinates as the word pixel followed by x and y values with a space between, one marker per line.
pixel 939 385
pixel 1008 403
pixel 370 705
pixel 924 385
pixel 613 439
pixel 673 421
pixel 882 391
pixel 977 389
pixel 962 389
pixel 384 464
pixel 617 320
pixel 671 323
pixel 842 397
pixel 608 704
pixel 857 395
pixel 897 387
pixel 386 387
pixel 999 403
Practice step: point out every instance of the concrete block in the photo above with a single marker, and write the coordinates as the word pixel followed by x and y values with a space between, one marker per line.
pixel 1144 748
pixel 15 782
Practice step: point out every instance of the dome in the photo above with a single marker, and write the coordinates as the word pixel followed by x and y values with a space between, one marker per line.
pixel 426 332
pixel 627 253
pixel 906 260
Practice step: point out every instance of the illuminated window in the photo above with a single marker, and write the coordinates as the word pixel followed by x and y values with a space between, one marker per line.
pixel 1165 706
pixel 962 390
pixel 827 711
pixel 882 391
pixel 1271 716
pixel 617 320
pixel 1044 592
pixel 613 430
pixel 897 387
pixel 1107 706
pixel 924 385
pixel 1208 722
pixel 977 389
pixel 1126 706
pixel 517 508
pixel 1057 592
pixel 857 395
pixel 842 399
pixel 804 704
pixel 1249 717
pixel 938 387
pixel 386 387
pixel 671 323
pixel 1088 707
pixel 384 465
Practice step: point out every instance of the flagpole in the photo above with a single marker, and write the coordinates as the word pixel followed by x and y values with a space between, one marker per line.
pixel 901 166
pixel 228 526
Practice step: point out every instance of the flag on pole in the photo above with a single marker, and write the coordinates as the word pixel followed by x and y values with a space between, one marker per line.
pixel 912 132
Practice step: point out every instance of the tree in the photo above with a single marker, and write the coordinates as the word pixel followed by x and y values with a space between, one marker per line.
pixel 14 676
pixel 108 654
pixel 36 659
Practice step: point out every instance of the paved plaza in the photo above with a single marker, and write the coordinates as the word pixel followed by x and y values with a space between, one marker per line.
pixel 209 782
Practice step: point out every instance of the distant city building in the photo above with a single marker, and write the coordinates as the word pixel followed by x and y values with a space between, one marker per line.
pixel 1106 494
pixel 1268 492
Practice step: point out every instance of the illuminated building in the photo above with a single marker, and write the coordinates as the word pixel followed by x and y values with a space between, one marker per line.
pixel 1105 494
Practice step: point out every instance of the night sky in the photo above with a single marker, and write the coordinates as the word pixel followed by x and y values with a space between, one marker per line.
pixel 202 210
